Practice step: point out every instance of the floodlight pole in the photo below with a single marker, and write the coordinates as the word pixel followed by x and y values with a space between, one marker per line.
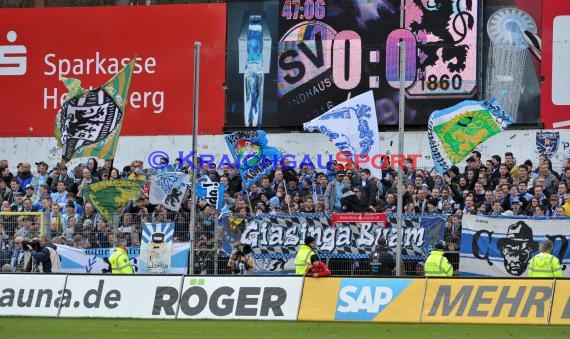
pixel 401 118
pixel 197 45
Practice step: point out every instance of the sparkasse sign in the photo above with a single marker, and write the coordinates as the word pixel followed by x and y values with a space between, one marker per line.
pixel 93 43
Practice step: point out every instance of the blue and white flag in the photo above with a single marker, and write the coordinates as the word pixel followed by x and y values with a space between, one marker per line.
pixel 224 212
pixel 353 127
pixel 90 261
pixel 253 157
pixel 156 248
pixel 220 203
pixel 77 260
pixel 168 189
pixel 212 192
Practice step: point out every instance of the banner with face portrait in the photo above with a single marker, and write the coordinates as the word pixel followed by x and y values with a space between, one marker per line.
pixel 503 247
pixel 156 248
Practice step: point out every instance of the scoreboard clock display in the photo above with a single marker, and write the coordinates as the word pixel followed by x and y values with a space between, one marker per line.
pixel 330 50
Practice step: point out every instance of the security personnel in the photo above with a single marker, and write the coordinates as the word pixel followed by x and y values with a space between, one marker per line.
pixel 303 258
pixel 381 261
pixel 120 263
pixel 436 265
pixel 544 264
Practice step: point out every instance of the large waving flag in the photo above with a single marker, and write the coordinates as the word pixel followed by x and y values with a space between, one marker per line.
pixel 110 195
pixel 253 157
pixel 89 122
pixel 456 131
pixel 353 127
pixel 168 189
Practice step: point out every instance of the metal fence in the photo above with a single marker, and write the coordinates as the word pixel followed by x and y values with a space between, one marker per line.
pixel 361 267
pixel 210 257
pixel 351 257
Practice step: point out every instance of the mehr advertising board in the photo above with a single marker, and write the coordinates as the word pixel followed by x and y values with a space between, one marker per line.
pixel 493 301
pixel 561 304
pixel 93 43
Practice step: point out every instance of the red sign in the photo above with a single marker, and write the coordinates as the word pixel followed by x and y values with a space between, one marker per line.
pixel 39 46
pixel 555 92
pixel 359 217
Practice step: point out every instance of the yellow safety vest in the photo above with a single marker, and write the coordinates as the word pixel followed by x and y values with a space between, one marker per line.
pixel 544 265
pixel 436 265
pixel 120 263
pixel 303 259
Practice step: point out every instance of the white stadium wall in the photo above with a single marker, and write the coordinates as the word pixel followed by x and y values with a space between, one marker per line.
pixel 523 144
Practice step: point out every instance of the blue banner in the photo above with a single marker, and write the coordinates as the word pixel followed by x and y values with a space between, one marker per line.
pixel 253 157
pixel 275 239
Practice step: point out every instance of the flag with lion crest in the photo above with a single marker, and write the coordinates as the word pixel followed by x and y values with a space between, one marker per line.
pixel 89 122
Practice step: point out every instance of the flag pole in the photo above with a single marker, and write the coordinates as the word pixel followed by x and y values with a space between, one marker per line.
pixel 401 118
pixel 251 211
pixel 197 45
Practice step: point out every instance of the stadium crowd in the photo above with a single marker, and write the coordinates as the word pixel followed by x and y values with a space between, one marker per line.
pixel 495 186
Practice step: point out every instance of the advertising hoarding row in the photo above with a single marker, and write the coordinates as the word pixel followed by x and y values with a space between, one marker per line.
pixel 484 301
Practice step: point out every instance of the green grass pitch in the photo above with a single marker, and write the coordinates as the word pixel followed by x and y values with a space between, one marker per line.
pixel 46 328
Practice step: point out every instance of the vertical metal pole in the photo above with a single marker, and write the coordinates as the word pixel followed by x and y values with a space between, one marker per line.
pixel 216 245
pixel 401 117
pixel 402 13
pixel 194 152
pixel 480 49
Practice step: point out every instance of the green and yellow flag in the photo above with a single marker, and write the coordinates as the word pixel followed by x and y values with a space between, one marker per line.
pixel 108 196
pixel 456 131
pixel 89 122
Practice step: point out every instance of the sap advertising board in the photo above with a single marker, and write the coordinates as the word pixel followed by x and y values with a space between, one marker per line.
pixel 362 299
